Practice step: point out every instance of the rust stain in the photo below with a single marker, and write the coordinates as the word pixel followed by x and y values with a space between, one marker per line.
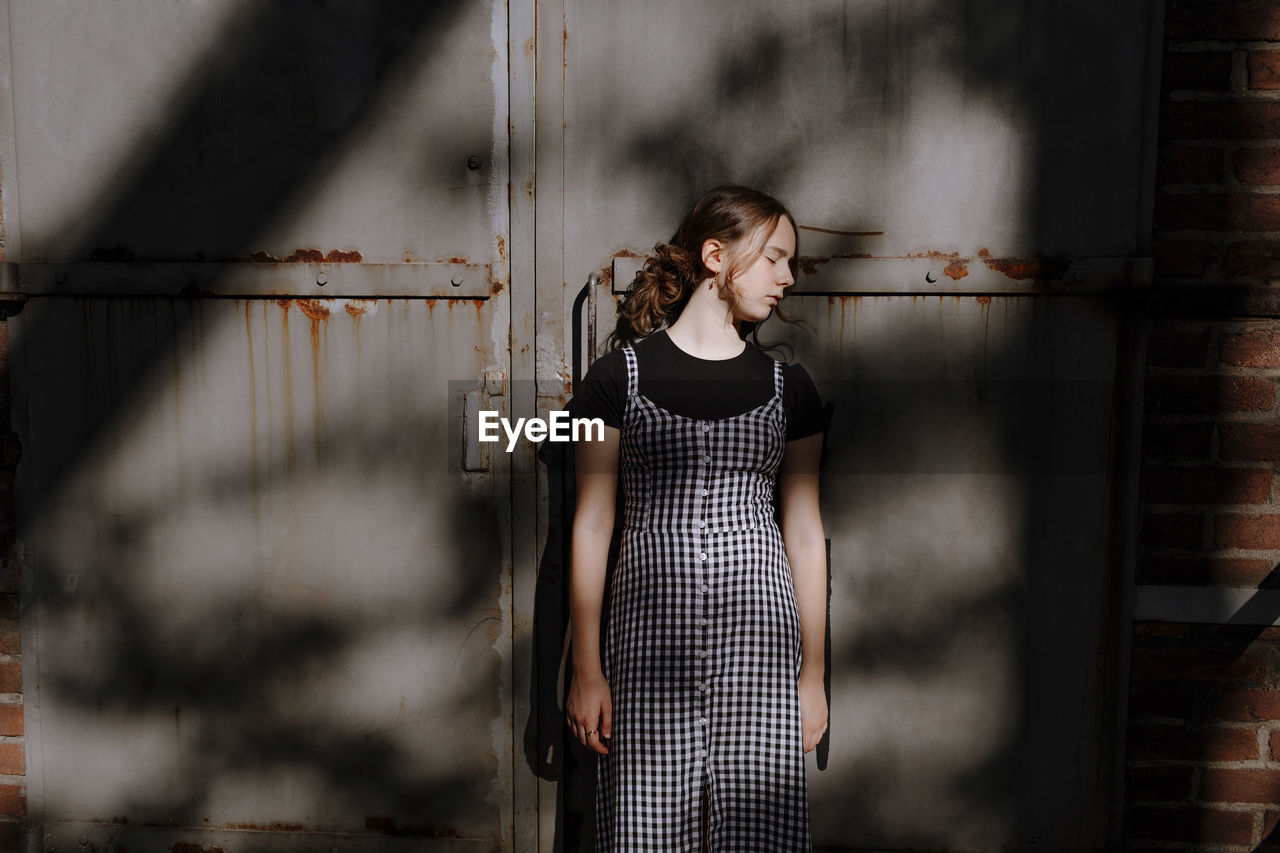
pixel 529 186
pixel 808 265
pixel 627 253
pixel 957 269
pixel 387 826
pixel 309 256
pixel 502 249
pixel 408 257
pixel 530 46
pixel 288 385
pixel 840 232
pixel 275 826
pixel 496 286
pixel 193 847
pixel 314 308
pixel 1039 270
pixel 356 307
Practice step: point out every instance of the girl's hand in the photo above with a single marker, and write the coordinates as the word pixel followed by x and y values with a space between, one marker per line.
pixel 813 712
pixel 589 712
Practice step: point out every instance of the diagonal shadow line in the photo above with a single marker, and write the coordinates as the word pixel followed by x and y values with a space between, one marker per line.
pixel 285 135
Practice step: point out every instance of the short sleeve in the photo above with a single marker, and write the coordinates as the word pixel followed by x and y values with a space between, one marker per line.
pixel 803 404
pixel 602 393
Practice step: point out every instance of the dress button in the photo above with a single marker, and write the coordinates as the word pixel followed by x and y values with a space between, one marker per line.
pixel 702 686
pixel 706 427
pixel 702 752
pixel 707 459
pixel 703 492
pixel 702 556
pixel 703 588
pixel 702 623
pixel 702 653
pixel 701 523
pixel 702 721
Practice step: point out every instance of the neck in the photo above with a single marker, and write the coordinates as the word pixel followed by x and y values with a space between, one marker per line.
pixel 706 328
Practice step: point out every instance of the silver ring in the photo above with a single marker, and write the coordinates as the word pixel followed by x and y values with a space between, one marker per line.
pixel 590 733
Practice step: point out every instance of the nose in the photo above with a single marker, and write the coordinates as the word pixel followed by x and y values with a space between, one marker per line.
pixel 787 279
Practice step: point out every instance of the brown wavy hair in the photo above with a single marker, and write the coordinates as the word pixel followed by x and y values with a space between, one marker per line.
pixel 742 218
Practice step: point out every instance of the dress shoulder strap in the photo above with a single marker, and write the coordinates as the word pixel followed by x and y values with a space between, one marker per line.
pixel 777 379
pixel 633 373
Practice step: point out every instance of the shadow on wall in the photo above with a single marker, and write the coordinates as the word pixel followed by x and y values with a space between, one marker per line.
pixel 969 498
pixel 236 663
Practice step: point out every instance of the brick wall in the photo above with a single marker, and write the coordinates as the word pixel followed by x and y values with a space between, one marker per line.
pixel 1203 754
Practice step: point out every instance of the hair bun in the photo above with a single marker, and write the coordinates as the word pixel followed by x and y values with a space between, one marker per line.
pixel 672 257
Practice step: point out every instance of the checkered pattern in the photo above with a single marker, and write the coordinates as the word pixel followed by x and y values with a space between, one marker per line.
pixel 702 651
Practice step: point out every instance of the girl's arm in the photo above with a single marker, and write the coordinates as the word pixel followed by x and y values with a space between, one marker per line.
pixel 805 543
pixel 589 708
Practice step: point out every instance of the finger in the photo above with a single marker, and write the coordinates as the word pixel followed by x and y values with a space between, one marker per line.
pixel 606 719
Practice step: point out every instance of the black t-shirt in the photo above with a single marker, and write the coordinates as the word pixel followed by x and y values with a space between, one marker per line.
pixel 698 388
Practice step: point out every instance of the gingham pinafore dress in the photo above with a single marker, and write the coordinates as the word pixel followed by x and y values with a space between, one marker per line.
pixel 702 649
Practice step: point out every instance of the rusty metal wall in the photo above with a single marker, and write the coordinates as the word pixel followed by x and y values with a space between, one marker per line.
pixel 971 182
pixel 267 593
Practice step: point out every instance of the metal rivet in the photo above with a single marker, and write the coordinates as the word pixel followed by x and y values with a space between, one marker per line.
pixel 456 280
pixel 322 279
pixel 473 163
pixel 931 276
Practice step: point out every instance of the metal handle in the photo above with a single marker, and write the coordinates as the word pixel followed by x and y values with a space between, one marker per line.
pixel 588 295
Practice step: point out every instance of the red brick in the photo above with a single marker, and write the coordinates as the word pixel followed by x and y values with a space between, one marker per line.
pixel 1182 258
pixel 1249 532
pixel 13 800
pixel 1207 665
pixel 1246 705
pixel 1255 442
pixel 1259 166
pixel 11 720
pixel 1205 571
pixel 1177 346
pixel 1229 20
pixel 1208 71
pixel 1208 394
pixel 1184 121
pixel 1163 630
pixel 1275 746
pixel 11 677
pixel 8 606
pixel 12 759
pixel 1264 69
pixel 1219 785
pixel 1211 485
pixel 1192 825
pixel 1163 742
pixel 1172 530
pixel 1218 211
pixel 10 643
pixel 1259 258
pixel 1176 441
pixel 1157 784
pixel 1256 348
pixel 1163 700
pixel 1189 164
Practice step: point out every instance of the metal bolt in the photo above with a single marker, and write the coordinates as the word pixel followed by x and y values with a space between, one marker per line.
pixel 456 280
pixel 473 162
pixel 931 276
pixel 322 279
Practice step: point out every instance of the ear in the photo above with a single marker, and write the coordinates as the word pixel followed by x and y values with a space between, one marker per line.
pixel 713 255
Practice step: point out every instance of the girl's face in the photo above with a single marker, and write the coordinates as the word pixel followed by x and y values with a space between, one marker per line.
pixel 762 285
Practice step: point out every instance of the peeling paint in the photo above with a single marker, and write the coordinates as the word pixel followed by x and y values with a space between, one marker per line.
pixel 309 256
pixel 316 309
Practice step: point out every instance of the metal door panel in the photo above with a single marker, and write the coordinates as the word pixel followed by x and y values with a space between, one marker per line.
pixel 972 220
pixel 266 594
